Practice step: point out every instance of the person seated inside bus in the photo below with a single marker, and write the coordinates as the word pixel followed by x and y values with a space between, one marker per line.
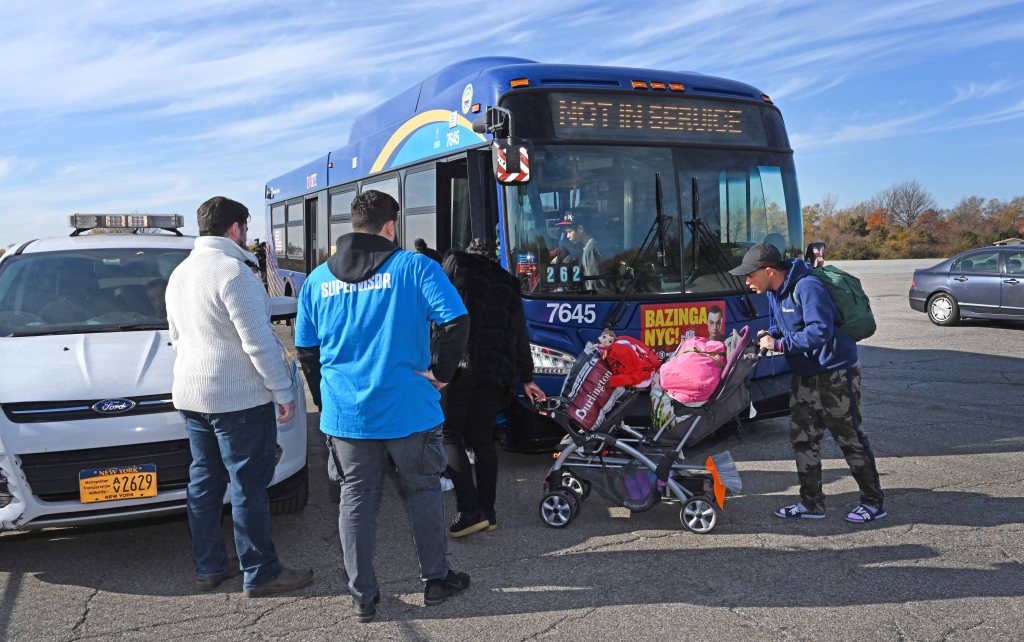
pixel 580 224
pixel 566 251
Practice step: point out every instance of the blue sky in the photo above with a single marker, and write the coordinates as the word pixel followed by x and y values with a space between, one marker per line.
pixel 155 106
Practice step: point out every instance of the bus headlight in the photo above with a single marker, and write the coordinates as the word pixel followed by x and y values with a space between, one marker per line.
pixel 548 361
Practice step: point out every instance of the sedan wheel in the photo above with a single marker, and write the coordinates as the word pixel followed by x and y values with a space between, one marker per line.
pixel 943 310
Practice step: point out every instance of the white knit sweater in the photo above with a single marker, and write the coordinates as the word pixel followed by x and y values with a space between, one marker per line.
pixel 228 357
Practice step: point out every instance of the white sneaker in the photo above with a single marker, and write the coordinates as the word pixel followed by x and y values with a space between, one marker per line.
pixel 446 484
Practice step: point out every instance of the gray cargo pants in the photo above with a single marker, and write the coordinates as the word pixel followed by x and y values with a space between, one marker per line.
pixel 420 459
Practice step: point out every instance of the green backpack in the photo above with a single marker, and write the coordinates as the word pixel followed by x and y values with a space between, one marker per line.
pixel 853 305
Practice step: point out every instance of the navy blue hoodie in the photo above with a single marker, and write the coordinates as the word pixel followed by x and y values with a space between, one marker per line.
pixel 804 320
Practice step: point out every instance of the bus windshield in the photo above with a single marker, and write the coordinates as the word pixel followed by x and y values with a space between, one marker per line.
pixel 578 226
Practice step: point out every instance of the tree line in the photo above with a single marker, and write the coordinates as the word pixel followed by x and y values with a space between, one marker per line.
pixel 904 222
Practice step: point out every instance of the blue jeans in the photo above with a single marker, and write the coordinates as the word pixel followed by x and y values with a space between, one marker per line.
pixel 235 447
pixel 420 460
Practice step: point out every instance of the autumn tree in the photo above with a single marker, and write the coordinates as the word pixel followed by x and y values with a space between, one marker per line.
pixel 906 202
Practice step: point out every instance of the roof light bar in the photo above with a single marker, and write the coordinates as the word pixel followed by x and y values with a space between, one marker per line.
pixel 131 221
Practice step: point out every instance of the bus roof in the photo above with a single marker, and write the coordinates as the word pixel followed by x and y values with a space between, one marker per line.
pixel 409 126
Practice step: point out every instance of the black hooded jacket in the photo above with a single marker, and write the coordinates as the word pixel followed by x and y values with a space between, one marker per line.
pixel 358 257
pixel 498 351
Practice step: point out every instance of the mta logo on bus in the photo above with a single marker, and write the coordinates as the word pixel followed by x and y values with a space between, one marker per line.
pixel 311 181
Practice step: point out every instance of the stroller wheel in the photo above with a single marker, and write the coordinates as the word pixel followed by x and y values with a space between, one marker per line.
pixel 698 514
pixel 558 508
pixel 576 485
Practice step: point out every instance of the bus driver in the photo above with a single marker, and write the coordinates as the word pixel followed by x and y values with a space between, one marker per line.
pixel 579 224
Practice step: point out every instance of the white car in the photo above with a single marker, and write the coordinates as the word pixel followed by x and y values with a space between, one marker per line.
pixel 88 433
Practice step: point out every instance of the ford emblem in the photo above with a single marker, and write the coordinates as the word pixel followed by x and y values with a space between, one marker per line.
pixel 113 406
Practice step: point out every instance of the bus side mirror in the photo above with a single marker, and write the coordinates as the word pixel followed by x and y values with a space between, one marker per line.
pixel 815 254
pixel 495 121
pixel 511 159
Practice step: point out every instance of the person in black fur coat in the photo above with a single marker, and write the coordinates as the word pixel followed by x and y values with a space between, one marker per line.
pixel 497 360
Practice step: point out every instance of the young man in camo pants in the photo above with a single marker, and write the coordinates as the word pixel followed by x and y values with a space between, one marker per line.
pixel 825 392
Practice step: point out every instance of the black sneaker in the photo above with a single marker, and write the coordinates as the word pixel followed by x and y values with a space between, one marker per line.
pixel 467 524
pixel 492 520
pixel 437 591
pixel 366 612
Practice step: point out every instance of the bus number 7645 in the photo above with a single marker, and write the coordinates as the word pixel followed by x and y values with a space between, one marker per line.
pixel 566 312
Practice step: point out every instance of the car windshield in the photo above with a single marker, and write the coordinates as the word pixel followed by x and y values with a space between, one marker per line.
pixel 74 291
pixel 579 224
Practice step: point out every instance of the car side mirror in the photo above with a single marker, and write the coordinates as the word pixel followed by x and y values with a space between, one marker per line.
pixel 283 308
pixel 815 254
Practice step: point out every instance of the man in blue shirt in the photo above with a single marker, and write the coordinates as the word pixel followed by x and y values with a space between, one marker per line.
pixel 363 338
pixel 825 393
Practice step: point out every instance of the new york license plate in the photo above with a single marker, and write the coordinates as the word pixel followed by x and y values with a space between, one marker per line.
pixel 119 482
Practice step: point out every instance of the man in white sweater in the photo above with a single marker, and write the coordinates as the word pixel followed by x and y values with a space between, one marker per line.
pixel 229 373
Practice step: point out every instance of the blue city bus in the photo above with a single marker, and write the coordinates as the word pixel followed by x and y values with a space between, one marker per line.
pixel 678 174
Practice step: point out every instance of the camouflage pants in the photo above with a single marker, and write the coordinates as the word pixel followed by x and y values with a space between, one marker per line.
pixel 830 400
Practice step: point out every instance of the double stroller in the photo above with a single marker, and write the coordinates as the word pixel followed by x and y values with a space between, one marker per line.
pixel 640 467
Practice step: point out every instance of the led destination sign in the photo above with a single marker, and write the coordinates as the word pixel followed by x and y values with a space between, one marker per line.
pixel 670 119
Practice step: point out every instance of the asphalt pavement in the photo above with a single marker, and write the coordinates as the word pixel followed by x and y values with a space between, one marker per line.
pixel 942 408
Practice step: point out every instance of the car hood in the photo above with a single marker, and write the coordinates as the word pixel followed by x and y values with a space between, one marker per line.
pixel 86 366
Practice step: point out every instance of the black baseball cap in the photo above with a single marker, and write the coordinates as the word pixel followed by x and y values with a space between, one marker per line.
pixel 218 214
pixel 762 255
pixel 579 216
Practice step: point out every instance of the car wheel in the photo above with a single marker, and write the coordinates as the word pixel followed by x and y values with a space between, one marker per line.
pixel 295 501
pixel 943 310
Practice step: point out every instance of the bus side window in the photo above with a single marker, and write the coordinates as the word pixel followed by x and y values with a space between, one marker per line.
pixel 420 221
pixel 462 229
pixel 277 221
pixel 341 216
pixel 295 237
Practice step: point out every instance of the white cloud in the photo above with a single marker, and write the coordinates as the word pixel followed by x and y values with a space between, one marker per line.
pixel 858 133
pixel 157 106
pixel 974 90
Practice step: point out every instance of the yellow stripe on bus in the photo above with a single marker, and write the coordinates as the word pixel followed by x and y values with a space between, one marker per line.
pixel 410 126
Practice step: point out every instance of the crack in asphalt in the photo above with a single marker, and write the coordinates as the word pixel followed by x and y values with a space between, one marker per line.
pixel 554 625
pixel 157 625
pixel 753 623
pixel 85 613
pixel 949 632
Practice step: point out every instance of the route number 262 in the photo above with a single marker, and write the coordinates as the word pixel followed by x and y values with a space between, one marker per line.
pixel 566 312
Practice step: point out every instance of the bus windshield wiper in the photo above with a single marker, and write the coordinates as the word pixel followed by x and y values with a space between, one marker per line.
pixel 655 233
pixel 703 236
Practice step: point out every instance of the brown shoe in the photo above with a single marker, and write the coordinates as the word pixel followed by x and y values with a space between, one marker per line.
pixel 209 583
pixel 290 579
